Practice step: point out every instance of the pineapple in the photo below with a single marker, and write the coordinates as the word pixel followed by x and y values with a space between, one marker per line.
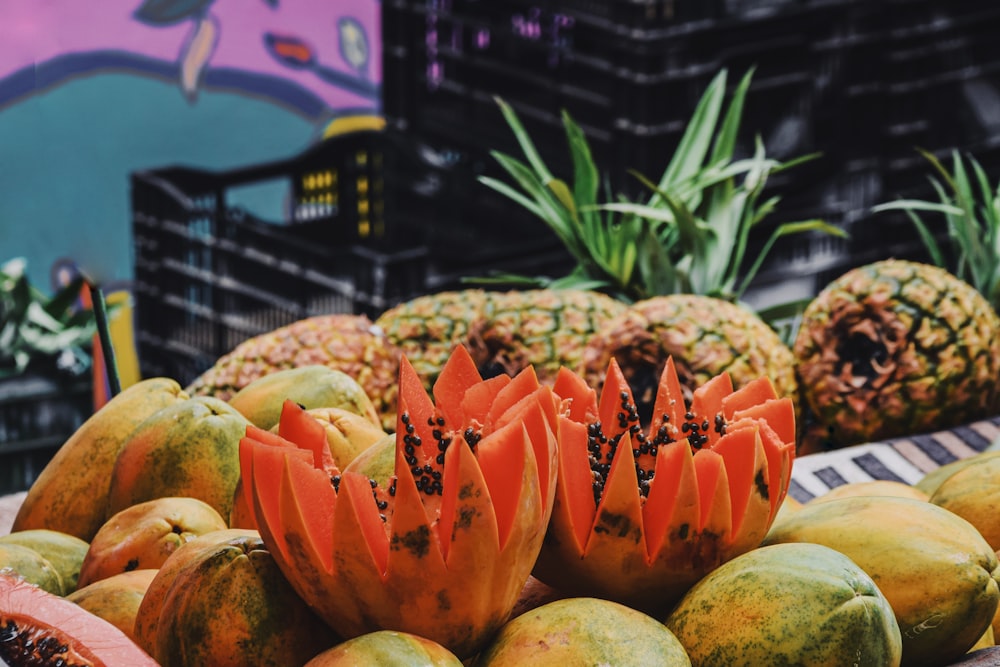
pixel 546 329
pixel 504 331
pixel 678 256
pixel 704 335
pixel 348 343
pixel 896 348
pixel 427 328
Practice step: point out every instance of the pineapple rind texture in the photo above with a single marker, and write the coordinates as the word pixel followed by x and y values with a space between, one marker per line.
pixel 504 331
pixel 704 335
pixel 352 344
pixel 427 328
pixel 897 348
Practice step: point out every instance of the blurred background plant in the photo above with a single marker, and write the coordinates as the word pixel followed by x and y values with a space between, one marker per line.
pixel 970 205
pixel 690 235
pixel 42 333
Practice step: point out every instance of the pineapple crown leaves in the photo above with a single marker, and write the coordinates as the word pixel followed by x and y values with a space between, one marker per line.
pixel 689 236
pixel 971 208
pixel 35 327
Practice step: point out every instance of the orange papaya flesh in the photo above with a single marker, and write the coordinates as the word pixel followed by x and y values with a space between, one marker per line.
pixel 37 627
pixel 699 485
pixel 444 549
pixel 298 426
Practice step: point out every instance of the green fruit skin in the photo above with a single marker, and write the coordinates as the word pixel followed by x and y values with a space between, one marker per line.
pixel 387 648
pixel 787 604
pixel 584 631
pixel 63 551
pixel 189 449
pixel 936 570
pixel 231 606
pixel 309 386
pixel 930 482
pixel 32 567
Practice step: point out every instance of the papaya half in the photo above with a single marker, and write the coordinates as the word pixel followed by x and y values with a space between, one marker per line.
pixel 39 628
pixel 443 550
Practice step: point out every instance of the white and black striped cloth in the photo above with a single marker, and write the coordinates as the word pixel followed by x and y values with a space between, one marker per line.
pixel 902 459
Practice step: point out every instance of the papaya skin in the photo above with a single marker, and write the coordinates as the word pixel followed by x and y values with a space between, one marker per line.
pixel 935 569
pixel 188 449
pixel 65 552
pixel 71 493
pixel 230 606
pixel 144 535
pixel 115 599
pixel 309 386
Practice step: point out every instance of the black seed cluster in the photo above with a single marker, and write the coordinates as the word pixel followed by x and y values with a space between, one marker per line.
pixel 601 449
pixel 695 430
pixel 18 647
pixel 427 476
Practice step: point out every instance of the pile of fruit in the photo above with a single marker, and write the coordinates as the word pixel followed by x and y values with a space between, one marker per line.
pixel 547 476
pixel 554 477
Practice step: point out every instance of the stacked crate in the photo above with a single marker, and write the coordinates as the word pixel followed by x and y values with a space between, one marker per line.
pixel 860 82
pixel 224 256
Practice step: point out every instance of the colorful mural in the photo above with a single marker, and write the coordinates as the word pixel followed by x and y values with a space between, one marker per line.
pixel 91 91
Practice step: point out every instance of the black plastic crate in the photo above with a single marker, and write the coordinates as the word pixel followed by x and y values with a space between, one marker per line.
pixel 37 415
pixel 215 266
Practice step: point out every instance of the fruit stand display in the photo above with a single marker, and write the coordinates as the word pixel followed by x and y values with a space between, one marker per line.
pixel 616 457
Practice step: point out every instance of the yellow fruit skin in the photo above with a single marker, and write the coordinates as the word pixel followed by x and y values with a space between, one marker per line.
pixel 230 606
pixel 932 480
pixel 802 604
pixel 386 647
pixel 347 433
pixel 116 599
pixel 70 495
pixel 935 569
pixel 143 536
pixel 189 449
pixel 973 493
pixel 877 487
pixel 64 551
pixel 309 386
pixel 584 631
pixel 31 566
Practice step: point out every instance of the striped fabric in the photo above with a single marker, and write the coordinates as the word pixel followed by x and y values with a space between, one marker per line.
pixel 902 459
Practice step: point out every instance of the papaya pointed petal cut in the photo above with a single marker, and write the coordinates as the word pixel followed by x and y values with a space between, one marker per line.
pixel 478 400
pixel 618 521
pixel 521 385
pixel 469 527
pixel 615 391
pixel 363 515
pixel 669 408
pixel 310 523
pixel 707 399
pixel 413 532
pixel 298 426
pixel 580 398
pixel 779 413
pixel 672 508
pixel 268 467
pixel 502 459
pixel 413 400
pixel 716 513
pixel 746 468
pixel 457 376
pixel 753 393
pixel 574 502
pixel 246 474
pixel 537 412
